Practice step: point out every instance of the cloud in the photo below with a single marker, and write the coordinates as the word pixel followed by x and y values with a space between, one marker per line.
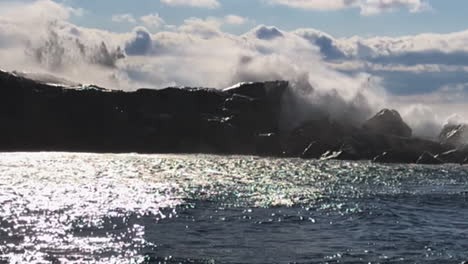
pixel 347 78
pixel 456 93
pixel 193 3
pixel 205 28
pixel 266 33
pixel 40 11
pixel 209 27
pixel 409 65
pixel 315 4
pixel 197 53
pixel 367 7
pixel 119 18
pixel 42 40
pixel 140 44
pixel 235 20
pixel 152 21
pixel 424 121
pixel 325 42
pixel 411 58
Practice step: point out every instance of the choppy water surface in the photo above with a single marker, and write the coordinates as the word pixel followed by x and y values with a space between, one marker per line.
pixel 95 208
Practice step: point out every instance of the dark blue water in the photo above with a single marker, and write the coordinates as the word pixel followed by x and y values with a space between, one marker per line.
pixel 75 208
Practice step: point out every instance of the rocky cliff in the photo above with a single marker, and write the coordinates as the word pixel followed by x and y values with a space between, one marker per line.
pixel 243 119
pixel 37 116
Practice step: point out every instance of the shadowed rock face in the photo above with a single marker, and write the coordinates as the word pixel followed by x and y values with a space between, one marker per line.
pixel 36 116
pixel 243 119
pixel 388 122
pixel 453 156
pixel 324 133
pixel 428 159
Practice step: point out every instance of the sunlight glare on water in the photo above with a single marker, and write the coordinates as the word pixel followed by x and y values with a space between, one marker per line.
pixel 70 207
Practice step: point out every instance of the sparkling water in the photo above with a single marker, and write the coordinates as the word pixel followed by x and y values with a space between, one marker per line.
pixel 129 208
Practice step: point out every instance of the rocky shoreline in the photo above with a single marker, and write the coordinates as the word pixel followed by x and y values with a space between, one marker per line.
pixel 244 119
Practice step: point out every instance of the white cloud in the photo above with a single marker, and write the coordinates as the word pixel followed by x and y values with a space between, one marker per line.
pixel 372 7
pixel 451 93
pixel 124 18
pixel 194 3
pixel 417 53
pixel 235 20
pixel 206 28
pixel 315 4
pixel 152 21
pixel 367 7
pixel 38 11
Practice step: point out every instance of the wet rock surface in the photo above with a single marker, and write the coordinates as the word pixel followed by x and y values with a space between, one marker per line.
pixel 243 119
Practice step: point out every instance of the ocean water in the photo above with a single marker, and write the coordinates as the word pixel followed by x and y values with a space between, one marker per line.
pixel 129 208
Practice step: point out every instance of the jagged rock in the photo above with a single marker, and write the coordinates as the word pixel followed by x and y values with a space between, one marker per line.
pixel 454 135
pixel 428 159
pixel 243 119
pixel 325 132
pixel 314 151
pixel 255 106
pixel 347 151
pixel 236 104
pixel 388 122
pixel 273 90
pixel 452 156
pixel 329 155
pixel 395 157
pixel 37 116
pixel 383 158
pixel 356 147
pixel 339 155
pixel 401 150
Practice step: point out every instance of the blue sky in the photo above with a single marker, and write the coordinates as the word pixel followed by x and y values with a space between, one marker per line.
pixel 443 17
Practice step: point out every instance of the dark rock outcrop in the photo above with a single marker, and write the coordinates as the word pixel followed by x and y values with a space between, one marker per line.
pixel 429 159
pixel 315 138
pixel 454 135
pixel 37 116
pixel 453 156
pixel 243 119
pixel 314 150
pixel 389 157
pixel 326 134
pixel 268 144
pixel 340 155
pixel 388 122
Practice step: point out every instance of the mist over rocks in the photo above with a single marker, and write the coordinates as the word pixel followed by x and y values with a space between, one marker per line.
pixel 247 118
pixel 454 135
